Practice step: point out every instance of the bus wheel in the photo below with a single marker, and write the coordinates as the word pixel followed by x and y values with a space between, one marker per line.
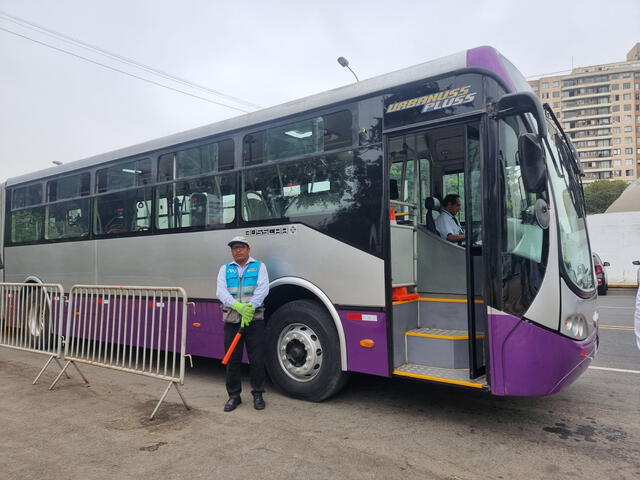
pixel 303 351
pixel 36 312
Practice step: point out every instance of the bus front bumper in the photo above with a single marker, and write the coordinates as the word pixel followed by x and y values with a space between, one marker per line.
pixel 528 360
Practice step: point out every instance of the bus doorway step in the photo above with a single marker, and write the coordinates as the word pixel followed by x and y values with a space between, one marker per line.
pixel 454 376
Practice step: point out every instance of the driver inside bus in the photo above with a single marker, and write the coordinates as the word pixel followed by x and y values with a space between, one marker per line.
pixel 447 224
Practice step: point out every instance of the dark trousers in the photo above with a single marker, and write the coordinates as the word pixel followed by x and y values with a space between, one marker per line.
pixel 253 336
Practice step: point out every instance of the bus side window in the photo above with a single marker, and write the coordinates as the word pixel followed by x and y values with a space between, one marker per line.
pixel 123 212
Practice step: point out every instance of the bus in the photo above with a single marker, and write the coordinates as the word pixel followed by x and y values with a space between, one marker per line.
pixel 339 195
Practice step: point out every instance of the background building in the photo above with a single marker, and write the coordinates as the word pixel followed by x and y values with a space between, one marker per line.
pixel 599 107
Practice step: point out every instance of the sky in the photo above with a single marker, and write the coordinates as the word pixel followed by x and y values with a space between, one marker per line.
pixel 56 106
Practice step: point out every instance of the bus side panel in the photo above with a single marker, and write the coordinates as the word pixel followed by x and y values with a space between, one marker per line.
pixel 205 334
pixel 366 338
pixel 527 360
pixel 348 276
pixel 67 263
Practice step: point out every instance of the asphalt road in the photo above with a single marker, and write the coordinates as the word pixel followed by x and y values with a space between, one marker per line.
pixel 376 428
pixel 618 348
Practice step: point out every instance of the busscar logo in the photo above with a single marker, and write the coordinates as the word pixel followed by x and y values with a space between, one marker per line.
pixel 281 230
pixel 436 101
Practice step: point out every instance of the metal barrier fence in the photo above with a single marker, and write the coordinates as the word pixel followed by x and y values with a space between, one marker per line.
pixel 31 319
pixel 140 330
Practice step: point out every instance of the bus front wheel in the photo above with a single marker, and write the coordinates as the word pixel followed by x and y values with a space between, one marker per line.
pixel 303 351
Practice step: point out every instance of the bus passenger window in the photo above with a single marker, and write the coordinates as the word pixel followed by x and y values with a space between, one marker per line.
pixel 27 225
pixel 123 212
pixel 201 202
pixel 67 220
pixel 133 173
pixel 337 130
pixel 253 147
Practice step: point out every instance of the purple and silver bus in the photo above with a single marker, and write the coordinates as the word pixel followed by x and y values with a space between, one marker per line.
pixel 339 195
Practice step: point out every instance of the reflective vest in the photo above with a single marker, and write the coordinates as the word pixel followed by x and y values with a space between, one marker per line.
pixel 242 287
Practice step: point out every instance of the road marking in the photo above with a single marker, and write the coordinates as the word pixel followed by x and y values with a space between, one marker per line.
pixel 620 370
pixel 616 327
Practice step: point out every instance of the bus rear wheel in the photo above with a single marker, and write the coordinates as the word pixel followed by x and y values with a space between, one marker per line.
pixel 303 351
pixel 36 311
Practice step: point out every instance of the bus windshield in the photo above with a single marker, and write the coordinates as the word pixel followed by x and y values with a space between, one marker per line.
pixel 567 192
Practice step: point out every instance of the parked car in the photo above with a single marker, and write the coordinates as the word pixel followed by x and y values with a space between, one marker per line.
pixel 601 274
pixel 637 262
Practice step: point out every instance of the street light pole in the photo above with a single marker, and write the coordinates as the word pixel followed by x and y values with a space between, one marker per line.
pixel 345 63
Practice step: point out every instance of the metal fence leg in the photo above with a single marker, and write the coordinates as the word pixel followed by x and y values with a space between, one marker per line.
pixel 44 368
pixel 79 372
pixel 64 369
pixel 183 400
pixel 60 365
pixel 164 395
pixel 52 357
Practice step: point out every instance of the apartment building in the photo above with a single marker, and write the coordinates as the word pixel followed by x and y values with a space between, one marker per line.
pixel 599 107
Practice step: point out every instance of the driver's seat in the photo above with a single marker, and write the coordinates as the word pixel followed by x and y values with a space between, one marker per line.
pixel 432 204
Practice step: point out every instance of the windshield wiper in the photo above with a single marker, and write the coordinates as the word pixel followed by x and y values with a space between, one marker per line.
pixel 570 150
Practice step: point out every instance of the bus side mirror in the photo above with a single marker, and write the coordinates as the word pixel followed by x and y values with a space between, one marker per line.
pixel 521 103
pixel 534 170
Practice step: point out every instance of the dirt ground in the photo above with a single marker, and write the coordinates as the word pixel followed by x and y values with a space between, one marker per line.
pixel 376 428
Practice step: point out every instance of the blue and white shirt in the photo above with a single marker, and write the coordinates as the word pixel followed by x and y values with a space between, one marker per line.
pixel 447 224
pixel 259 294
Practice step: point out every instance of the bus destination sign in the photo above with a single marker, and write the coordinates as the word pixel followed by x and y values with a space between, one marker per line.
pixel 436 101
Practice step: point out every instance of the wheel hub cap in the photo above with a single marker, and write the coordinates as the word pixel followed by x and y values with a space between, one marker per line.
pixel 300 352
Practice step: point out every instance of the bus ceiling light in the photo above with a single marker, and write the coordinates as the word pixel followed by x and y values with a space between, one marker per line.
pixel 575 325
pixel 129 170
pixel 298 133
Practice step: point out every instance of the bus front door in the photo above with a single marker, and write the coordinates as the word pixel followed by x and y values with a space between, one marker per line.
pixel 476 295
pixel 438 313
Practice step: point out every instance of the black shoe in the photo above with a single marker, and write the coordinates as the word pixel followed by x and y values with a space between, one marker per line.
pixel 232 403
pixel 258 401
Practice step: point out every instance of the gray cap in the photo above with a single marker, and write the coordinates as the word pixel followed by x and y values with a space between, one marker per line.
pixel 238 239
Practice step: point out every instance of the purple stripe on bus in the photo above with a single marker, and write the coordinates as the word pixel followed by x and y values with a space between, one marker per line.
pixel 487 57
pixel 361 359
pixel 106 318
pixel 205 335
pixel 527 360
pixel 205 331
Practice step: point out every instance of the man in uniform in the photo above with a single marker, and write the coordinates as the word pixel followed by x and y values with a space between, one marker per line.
pixel 243 285
pixel 447 224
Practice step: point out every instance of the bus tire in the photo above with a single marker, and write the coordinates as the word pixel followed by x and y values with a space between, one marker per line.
pixel 37 312
pixel 303 351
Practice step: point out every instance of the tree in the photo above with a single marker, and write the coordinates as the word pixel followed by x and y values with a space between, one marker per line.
pixel 602 193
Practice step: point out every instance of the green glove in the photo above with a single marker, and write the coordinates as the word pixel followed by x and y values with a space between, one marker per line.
pixel 247 309
pixel 246 314
pixel 238 306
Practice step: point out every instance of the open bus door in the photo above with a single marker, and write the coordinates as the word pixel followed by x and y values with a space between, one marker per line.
pixel 476 269
pixel 438 300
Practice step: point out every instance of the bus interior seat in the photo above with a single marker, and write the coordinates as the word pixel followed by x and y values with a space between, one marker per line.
pixel 256 206
pixel 432 204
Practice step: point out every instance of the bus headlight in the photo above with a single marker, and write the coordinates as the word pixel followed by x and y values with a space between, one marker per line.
pixel 575 325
